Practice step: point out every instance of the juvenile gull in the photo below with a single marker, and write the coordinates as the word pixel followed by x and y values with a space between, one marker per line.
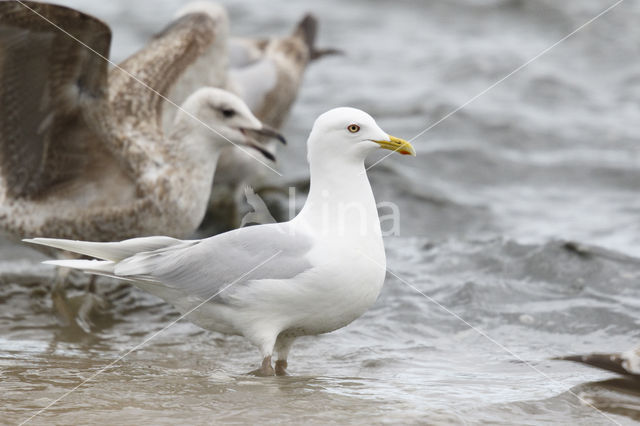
pixel 82 154
pixel 265 72
pixel 210 66
pixel 273 283
pixel 82 151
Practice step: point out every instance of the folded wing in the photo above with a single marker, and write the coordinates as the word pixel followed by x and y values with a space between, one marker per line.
pixel 196 268
pixel 233 258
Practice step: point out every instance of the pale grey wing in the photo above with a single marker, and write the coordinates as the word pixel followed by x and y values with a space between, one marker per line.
pixel 204 268
pixel 50 88
pixel 140 84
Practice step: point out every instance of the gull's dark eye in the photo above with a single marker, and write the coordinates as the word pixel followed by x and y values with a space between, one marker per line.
pixel 353 128
pixel 228 112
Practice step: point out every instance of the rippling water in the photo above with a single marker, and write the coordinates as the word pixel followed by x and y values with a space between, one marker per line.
pixel 518 241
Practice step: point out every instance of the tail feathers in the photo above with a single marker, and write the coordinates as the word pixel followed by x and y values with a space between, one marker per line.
pixel 108 251
pixel 307 29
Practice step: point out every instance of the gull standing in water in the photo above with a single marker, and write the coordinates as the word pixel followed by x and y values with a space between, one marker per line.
pixel 275 282
pixel 82 151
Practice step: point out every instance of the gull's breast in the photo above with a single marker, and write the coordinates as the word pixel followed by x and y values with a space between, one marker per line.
pixel 343 284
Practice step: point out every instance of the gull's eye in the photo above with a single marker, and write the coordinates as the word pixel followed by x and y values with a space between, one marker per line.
pixel 353 128
pixel 228 112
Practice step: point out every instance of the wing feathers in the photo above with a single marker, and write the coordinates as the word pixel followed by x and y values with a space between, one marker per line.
pixel 89 266
pixel 158 66
pixel 48 81
pixel 197 268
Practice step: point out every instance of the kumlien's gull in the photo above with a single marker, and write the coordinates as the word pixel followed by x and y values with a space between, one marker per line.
pixel 275 282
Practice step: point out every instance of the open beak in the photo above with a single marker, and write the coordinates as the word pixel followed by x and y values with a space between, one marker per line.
pixel 267 154
pixel 397 145
pixel 269 132
pixel 254 143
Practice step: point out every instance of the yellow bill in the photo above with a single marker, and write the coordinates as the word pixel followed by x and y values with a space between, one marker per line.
pixel 398 145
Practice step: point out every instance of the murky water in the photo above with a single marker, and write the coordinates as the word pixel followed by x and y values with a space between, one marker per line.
pixel 484 289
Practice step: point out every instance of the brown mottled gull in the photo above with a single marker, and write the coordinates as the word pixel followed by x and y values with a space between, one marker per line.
pixel 82 151
pixel 266 73
pixel 210 68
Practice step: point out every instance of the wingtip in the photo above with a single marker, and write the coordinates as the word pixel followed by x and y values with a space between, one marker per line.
pixel 37 240
pixel 307 29
pixel 319 53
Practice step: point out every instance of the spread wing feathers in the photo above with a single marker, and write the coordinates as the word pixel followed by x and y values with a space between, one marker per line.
pixel 307 30
pixel 233 258
pixel 51 87
pixel 139 85
pixel 268 73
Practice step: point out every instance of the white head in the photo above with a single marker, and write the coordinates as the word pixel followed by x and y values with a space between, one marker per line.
pixel 227 115
pixel 353 134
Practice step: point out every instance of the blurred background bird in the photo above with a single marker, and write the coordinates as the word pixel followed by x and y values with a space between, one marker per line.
pixel 83 153
pixel 266 73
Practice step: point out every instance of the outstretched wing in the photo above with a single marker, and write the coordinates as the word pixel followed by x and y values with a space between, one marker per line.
pixel 267 73
pixel 140 84
pixel 236 257
pixel 52 80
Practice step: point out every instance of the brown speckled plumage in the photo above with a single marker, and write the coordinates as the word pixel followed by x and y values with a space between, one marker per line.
pixel 289 57
pixel 82 152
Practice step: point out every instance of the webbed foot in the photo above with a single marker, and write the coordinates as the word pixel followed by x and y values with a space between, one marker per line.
pixel 265 369
pixel 281 367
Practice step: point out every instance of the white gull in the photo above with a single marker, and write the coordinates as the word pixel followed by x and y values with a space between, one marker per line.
pixel 273 283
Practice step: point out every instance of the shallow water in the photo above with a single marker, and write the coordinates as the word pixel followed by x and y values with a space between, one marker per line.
pixel 484 288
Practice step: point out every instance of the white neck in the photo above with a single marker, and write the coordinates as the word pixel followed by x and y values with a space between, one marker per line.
pixel 341 202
